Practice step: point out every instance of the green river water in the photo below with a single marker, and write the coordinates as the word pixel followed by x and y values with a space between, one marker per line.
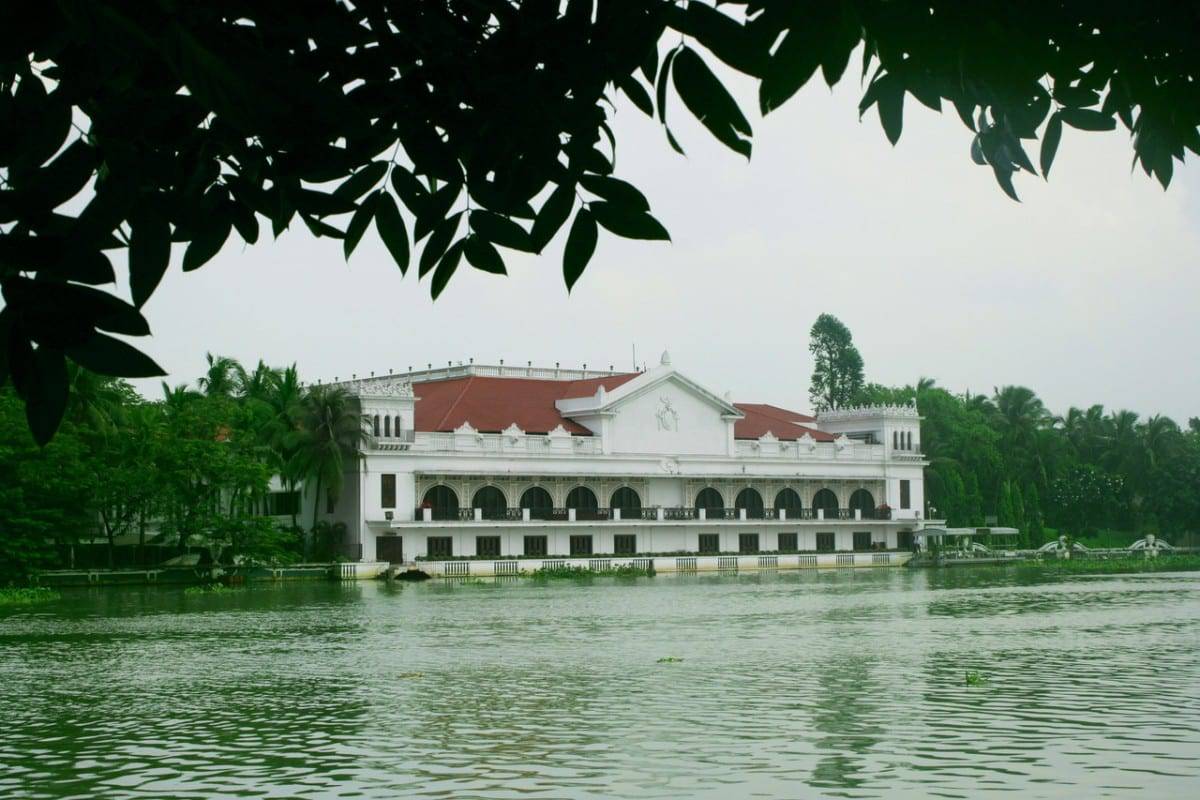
pixel 789 685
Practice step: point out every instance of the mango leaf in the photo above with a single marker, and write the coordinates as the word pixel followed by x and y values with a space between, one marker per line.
pixel 553 213
pixel 616 191
pixel 109 356
pixel 438 242
pixel 391 229
pixel 709 101
pixel 359 222
pixel 637 94
pixel 44 389
pixel 149 250
pixel 445 270
pixel 207 242
pixel 581 244
pixel 1086 119
pixel 501 230
pixel 362 181
pixel 793 63
pixel 482 255
pixel 629 224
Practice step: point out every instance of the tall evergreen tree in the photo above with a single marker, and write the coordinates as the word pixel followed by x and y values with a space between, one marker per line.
pixel 837 378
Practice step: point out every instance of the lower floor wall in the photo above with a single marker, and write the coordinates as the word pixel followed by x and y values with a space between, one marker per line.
pixel 484 568
pixel 549 541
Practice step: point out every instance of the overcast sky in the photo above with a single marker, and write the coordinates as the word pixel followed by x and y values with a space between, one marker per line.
pixel 1087 291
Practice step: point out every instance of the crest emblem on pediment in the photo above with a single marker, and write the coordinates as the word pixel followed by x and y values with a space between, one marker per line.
pixel 667 416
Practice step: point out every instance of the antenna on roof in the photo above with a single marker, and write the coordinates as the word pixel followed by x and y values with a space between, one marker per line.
pixel 634 346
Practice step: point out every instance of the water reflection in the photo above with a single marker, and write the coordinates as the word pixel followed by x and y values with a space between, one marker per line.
pixel 781 685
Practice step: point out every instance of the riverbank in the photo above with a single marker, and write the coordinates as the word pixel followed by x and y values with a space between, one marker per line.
pixel 27 595
pixel 203 575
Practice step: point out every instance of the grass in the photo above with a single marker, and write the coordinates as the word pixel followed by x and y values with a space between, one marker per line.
pixel 209 588
pixel 554 573
pixel 1122 564
pixel 27 596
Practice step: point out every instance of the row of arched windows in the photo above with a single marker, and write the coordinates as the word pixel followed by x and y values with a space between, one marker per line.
pixel 390 424
pixel 444 501
pixel 902 441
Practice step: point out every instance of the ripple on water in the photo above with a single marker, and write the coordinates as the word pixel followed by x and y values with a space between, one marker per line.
pixel 786 685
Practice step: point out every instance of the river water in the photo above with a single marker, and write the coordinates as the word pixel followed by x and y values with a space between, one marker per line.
pixel 789 685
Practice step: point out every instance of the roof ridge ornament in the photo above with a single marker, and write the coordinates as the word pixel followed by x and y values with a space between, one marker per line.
pixel 666 358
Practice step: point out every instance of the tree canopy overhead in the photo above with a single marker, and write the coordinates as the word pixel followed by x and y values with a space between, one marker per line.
pixel 461 128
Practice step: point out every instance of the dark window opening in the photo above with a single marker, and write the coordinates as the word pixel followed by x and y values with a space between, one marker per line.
pixel 904 540
pixel 750 500
pixel 538 501
pixel 439 547
pixel 747 542
pixel 625 544
pixel 710 543
pixel 710 500
pixel 443 502
pixel 905 497
pixel 862 540
pixel 387 490
pixel 535 546
pixel 581 545
pixel 788 500
pixel 487 545
pixel 387 426
pixel 491 501
pixel 825 542
pixel 788 543
pixel 863 501
pixel 375 425
pixel 628 501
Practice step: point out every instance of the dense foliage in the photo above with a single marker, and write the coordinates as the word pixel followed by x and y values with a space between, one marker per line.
pixel 837 376
pixel 1007 456
pixel 469 126
pixel 191 469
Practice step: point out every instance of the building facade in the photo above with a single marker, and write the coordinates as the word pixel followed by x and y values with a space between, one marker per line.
pixel 479 462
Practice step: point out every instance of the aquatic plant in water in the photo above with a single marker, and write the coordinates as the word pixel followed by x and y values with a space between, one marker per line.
pixel 24 596
pixel 669 660
pixel 974 678
pixel 209 588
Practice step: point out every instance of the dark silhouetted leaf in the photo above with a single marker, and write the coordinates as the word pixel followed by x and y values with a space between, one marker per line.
pixel 631 225
pixel 708 100
pixel 482 255
pixel 445 269
pixel 149 251
pixel 1050 140
pixel 207 243
pixel 500 230
pixel 553 213
pixel 1004 178
pixel 362 181
pixel 434 209
pixel 616 191
pixel 45 393
pixel 891 106
pixel 581 243
pixel 793 63
pixel 438 242
pixel 1085 119
pixel 359 222
pixel 108 356
pixel 391 229
pixel 637 94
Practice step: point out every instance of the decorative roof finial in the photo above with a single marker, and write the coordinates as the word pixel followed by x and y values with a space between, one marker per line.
pixel 666 358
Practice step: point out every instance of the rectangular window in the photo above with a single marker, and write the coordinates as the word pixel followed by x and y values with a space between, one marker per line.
pixel 747 542
pixel 439 547
pixel 487 545
pixel 535 546
pixel 625 544
pixel 788 543
pixel 904 540
pixel 710 543
pixel 825 542
pixel 387 491
pixel 581 545
pixel 862 540
pixel 905 497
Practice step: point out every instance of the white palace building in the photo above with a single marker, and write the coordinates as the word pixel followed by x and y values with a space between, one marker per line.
pixel 485 470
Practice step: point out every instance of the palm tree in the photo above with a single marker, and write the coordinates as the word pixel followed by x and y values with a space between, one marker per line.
pixel 330 432
pixel 220 379
pixel 284 398
pixel 256 385
pixel 175 398
pixel 96 402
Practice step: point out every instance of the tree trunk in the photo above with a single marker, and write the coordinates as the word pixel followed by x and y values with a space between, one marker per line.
pixel 316 507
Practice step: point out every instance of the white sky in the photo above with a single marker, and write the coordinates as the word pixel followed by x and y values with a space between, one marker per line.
pixel 1086 291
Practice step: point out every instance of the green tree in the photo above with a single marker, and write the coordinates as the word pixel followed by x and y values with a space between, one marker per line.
pixel 837 377
pixel 329 437
pixel 444 123
pixel 1035 535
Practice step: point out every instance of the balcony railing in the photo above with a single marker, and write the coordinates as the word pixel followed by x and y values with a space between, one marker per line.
pixel 646 514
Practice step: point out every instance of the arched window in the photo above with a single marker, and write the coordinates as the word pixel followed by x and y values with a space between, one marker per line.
pixel 582 498
pixel 750 500
pixel 710 500
pixel 628 501
pixel 492 501
pixel 895 440
pixel 387 426
pixel 908 441
pixel 827 500
pixel 375 425
pixel 538 501
pixel 862 501
pixel 789 500
pixel 443 501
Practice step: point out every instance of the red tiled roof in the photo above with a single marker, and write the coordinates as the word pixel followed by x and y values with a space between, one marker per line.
pixel 492 404
pixel 783 424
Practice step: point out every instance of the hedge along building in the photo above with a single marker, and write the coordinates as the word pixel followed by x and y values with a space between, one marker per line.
pixel 482 462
